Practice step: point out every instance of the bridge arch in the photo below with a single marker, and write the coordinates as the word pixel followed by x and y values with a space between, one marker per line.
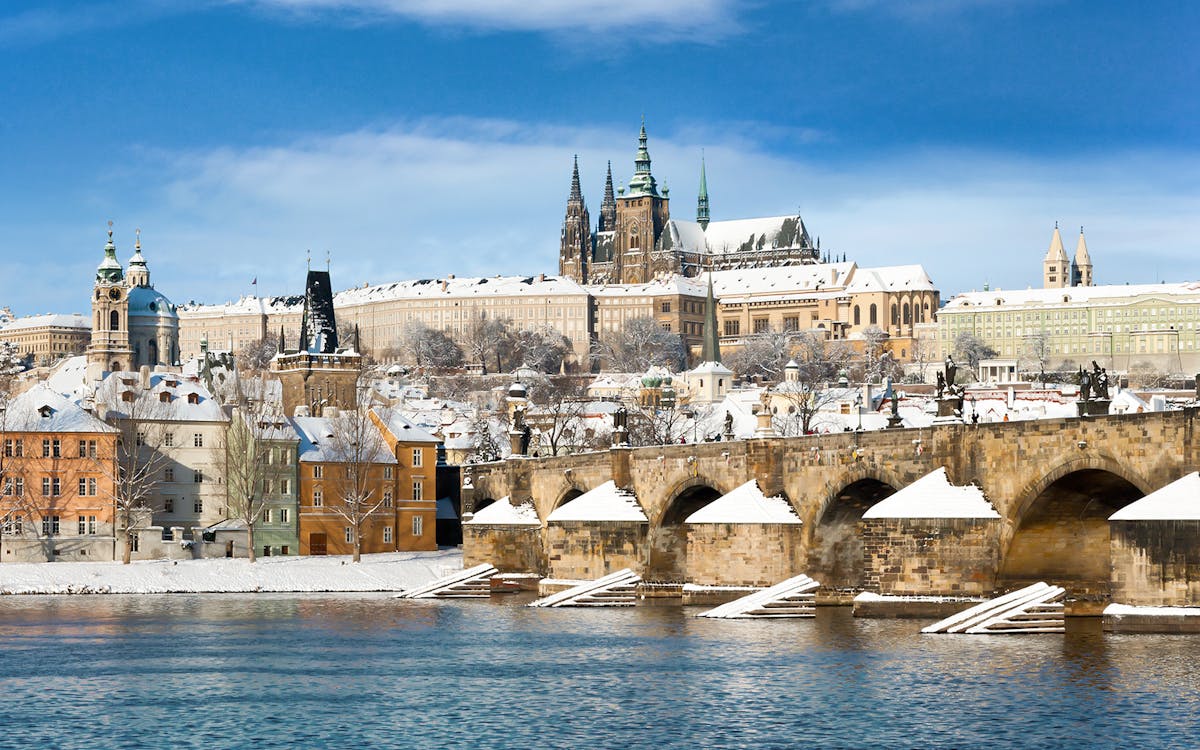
pixel 667 554
pixel 834 536
pixel 1057 529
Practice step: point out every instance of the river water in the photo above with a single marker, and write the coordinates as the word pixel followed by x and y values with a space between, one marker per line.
pixel 278 671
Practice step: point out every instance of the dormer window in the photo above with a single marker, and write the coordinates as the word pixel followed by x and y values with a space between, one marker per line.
pixel 164 397
pixel 127 396
pixel 46 411
pixel 193 398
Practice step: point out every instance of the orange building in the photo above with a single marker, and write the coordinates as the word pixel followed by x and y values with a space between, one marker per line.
pixel 415 451
pixel 348 486
pixel 58 465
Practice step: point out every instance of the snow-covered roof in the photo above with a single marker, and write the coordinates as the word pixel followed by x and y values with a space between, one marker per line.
pixel 674 284
pixel 42 409
pixel 319 442
pixel 504 513
pixel 404 429
pixel 449 287
pixel 51 320
pixel 781 280
pixel 933 496
pixel 1112 294
pixel 890 279
pixel 746 504
pixel 69 376
pixel 605 503
pixel 1178 501
pixel 170 397
pixel 248 305
pixel 739 235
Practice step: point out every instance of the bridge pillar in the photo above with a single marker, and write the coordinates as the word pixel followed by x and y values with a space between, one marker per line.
pixel 764 459
pixel 519 489
pixel 621 473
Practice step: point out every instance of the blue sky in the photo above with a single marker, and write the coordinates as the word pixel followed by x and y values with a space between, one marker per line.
pixel 415 138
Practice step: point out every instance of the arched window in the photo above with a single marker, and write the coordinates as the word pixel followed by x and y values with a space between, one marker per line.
pixel 874 314
pixel 907 314
pixel 895 314
pixel 857 316
pixel 152 351
pixel 114 321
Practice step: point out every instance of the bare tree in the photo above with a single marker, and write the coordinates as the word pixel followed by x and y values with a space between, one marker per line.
pixel 245 452
pixel 640 344
pixel 1147 375
pixel 971 350
pixel 16 509
pixel 141 454
pixel 1036 352
pixel 256 356
pixel 820 362
pixel 430 347
pixel 484 341
pixel 763 355
pixel 488 431
pixel 922 354
pixel 357 449
pixel 560 406
pixel 540 349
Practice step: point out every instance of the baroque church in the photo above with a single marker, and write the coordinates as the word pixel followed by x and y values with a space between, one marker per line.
pixel 636 240
pixel 133 325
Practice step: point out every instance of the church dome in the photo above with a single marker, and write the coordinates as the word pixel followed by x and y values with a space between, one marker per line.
pixel 146 302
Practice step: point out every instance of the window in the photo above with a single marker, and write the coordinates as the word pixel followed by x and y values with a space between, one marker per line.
pixel 387 472
pixel 141 438
pixel 198 506
pixel 285 486
pixel 318 498
pixel 82 525
pixel 791 324
pixel 198 440
pixel 874 314
pixel 761 325
pixel 13 526
pixel 197 476
pixel 87 486
pixel 169 439
pixel 49 525
pixel 317 472
pixel 266 550
pixel 267 484
pixel 14 486
pixel 284 517
pixel 56 448
pixel 418 487
pixel 169 474
pixel 857 315
pixel 418 525
pixel 733 327
pixel 83 448
pixel 133 543
pixel 168 505
pixel 666 307
pixel 387 534
pixel 283 550
pixel 387 498
pixel 417 457
pixel 267 516
pixel 46 448
pixel 349 535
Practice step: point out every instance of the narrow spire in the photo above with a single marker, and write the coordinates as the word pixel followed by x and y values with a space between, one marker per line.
pixel 282 341
pixel 711 347
pixel 608 208
pixel 576 190
pixel 642 182
pixel 702 201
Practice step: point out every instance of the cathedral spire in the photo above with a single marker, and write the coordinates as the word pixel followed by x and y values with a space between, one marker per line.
pixel 702 200
pixel 1081 266
pixel 576 191
pixel 608 208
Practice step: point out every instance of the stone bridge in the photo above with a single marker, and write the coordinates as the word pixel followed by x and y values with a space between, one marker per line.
pixel 1053 482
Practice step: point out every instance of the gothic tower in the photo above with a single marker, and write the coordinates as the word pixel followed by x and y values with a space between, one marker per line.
pixel 109 349
pixel 575 246
pixel 702 200
pixel 642 214
pixel 1081 266
pixel 1056 268
pixel 608 209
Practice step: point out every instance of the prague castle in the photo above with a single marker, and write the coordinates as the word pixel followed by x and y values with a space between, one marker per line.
pixel 637 241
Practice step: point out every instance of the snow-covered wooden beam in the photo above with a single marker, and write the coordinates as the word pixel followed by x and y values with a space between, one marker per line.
pixel 794 597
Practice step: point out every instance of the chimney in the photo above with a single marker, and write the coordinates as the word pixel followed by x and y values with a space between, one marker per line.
pixel 144 376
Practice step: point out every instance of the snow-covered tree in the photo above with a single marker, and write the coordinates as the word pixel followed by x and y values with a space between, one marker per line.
pixel 820 361
pixel 256 356
pixel 256 426
pixel 639 345
pixel 969 349
pixel 484 341
pixel 762 355
pixel 430 347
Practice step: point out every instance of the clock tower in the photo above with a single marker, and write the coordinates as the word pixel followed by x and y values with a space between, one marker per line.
pixel 109 350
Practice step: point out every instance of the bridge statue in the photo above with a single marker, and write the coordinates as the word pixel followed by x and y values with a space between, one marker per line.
pixel 941 384
pixel 1085 384
pixel 951 372
pixel 1100 381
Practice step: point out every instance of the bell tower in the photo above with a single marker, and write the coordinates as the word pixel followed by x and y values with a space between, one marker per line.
pixel 109 349
pixel 642 214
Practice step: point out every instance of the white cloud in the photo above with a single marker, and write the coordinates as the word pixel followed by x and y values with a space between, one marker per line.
pixel 652 20
pixel 481 197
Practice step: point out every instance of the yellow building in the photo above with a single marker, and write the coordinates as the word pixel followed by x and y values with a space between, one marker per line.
pixel 48 338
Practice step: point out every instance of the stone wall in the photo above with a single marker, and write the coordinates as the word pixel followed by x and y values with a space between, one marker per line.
pixel 743 554
pixel 586 550
pixel 1156 563
pixel 512 549
pixel 933 557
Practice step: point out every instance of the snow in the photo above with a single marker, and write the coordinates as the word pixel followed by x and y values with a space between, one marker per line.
pixel 868 596
pixel 42 409
pixel 50 320
pixel 149 403
pixel 391 571
pixel 1178 501
pixel 504 513
pixel 319 442
pixel 452 287
pixel 605 503
pixel 1115 294
pixel 932 496
pixel 1128 609
pixel 746 504
pixel 402 428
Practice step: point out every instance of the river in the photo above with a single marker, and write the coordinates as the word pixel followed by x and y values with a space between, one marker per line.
pixel 351 671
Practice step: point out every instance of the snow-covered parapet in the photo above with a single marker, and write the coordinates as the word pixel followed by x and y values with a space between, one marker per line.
pixel 504 513
pixel 746 504
pixel 933 496
pixel 605 503
pixel 1178 501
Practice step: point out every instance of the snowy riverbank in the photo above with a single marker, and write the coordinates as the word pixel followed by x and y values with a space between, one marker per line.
pixel 392 571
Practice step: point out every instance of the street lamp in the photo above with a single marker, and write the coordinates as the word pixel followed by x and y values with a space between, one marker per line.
pixel 858 402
